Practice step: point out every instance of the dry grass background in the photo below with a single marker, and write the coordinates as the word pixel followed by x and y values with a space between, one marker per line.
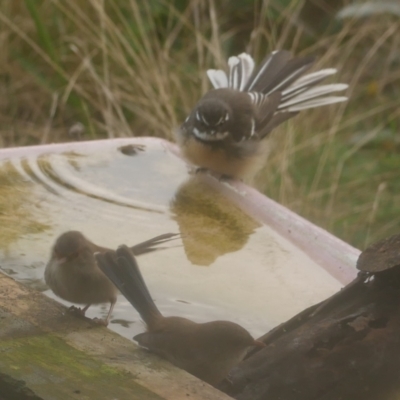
pixel 95 69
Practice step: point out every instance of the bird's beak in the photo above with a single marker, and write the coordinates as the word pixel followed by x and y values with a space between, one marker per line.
pixel 258 343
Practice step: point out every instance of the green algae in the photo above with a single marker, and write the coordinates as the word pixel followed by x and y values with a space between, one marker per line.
pixel 17 206
pixel 52 368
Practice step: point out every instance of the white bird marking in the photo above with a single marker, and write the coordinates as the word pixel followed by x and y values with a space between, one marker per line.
pixel 210 137
pixel 253 126
pixel 204 120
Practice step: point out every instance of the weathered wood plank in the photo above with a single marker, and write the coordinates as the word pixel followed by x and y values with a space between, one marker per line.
pixel 64 357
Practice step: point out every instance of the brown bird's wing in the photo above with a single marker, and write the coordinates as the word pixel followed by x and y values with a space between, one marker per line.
pixel 273 122
pixel 268 118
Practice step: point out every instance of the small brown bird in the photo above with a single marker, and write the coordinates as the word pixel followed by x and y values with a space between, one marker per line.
pixel 208 350
pixel 72 272
pixel 226 130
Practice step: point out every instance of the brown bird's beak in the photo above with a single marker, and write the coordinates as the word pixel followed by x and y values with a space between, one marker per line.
pixel 258 343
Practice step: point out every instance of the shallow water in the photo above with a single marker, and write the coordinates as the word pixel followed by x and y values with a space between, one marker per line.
pixel 226 266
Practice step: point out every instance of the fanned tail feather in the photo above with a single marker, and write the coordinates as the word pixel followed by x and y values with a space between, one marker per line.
pixel 278 73
pixel 122 269
pixel 313 93
pixel 148 245
pixel 281 73
pixel 217 78
pixel 323 101
pixel 289 74
pixel 307 81
pixel 240 69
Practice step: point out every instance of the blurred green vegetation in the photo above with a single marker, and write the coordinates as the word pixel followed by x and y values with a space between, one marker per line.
pixel 95 69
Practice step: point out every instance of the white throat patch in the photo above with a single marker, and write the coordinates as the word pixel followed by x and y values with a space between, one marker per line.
pixel 208 136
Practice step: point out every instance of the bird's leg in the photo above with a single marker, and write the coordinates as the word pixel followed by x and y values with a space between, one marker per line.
pixel 106 321
pixel 110 311
pixel 84 309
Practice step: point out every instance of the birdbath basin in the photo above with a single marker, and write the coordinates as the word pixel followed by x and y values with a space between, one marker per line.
pixel 242 257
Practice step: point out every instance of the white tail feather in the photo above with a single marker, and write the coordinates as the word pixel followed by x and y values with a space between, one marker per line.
pixel 315 92
pixel 233 80
pixel 217 78
pixel 309 78
pixel 260 73
pixel 323 101
pixel 247 67
pixel 281 83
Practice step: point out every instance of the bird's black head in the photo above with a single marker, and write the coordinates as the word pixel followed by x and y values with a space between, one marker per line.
pixel 209 120
pixel 221 115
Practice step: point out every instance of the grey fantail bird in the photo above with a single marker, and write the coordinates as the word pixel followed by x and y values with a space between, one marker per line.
pixel 227 129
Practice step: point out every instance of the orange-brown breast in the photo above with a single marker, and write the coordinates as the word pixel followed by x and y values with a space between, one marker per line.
pixel 221 161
